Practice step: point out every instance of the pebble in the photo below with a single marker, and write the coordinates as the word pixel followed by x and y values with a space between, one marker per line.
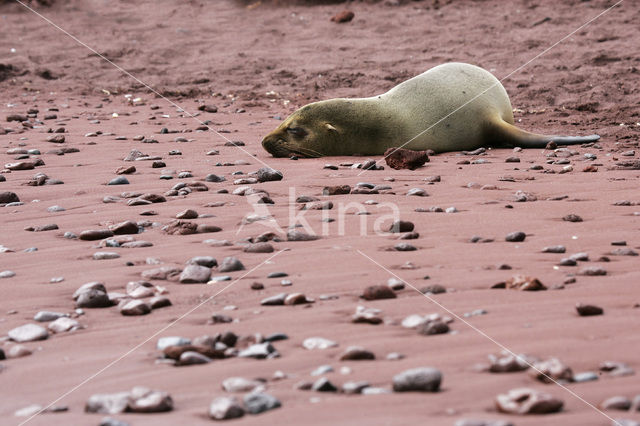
pixel 28 333
pixel 593 271
pixel 572 218
pixel 159 302
pixel 554 249
pixel 208 261
pixel 267 174
pixel 527 401
pixel 433 289
pixel 259 351
pixel 42 228
pixel 417 192
pixel 586 376
pixel 55 209
pixel 135 307
pixel 376 292
pixel 524 283
pixel 588 310
pixel 46 316
pixel 8 197
pixel 295 235
pixel 367 315
pixel 323 385
pixel 433 327
pixel 119 180
pixel 276 300
pixel 277 275
pixel 63 324
pixel 404 247
pixel 194 273
pixel 312 343
pixel 401 226
pixel 165 342
pixel 422 379
pixel 356 353
pixel 336 190
pixel 616 403
pixel 214 178
pixel 549 370
pixel 95 234
pixel 193 358
pixel 615 368
pixel 259 402
pixel 230 264
pixel 18 351
pixel 351 388
pixel 624 252
pixel 240 384
pixel 105 255
pixel 516 236
pixel 259 248
pixel 7 274
pixel 138 400
pixel 508 363
pixel 224 408
pixel 297 299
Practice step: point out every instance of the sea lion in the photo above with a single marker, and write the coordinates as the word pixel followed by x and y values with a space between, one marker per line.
pixel 451 107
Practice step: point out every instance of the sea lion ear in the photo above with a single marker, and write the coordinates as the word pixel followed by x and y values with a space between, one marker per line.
pixel 330 127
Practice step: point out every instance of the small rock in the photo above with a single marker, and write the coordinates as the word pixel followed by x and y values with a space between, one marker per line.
pixel 423 379
pixel 376 292
pixel 401 226
pixel 572 218
pixel 336 190
pixel 259 402
pixel 120 180
pixel 323 385
pixel 554 249
pixel 313 343
pixel 230 264
pixel 400 158
pixel 224 408
pixel 263 247
pixel 193 358
pixel 95 234
pixel 63 324
pixel 115 403
pixel 342 17
pixel 356 353
pixel 195 273
pixel 516 236
pixel 433 327
pixel 616 403
pixel 267 174
pixel 135 307
pixel 593 271
pixel 588 310
pixel 46 316
pixel 187 214
pixel 28 333
pixel 549 370
pixel 295 235
pixel 528 401
pixel 240 384
pixel 524 283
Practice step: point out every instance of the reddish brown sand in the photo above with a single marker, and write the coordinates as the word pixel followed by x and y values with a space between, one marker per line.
pixel 267 61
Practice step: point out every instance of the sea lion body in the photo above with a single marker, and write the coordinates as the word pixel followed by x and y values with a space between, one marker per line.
pixel 450 107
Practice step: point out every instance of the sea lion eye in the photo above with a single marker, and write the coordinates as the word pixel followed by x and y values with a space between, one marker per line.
pixel 297 131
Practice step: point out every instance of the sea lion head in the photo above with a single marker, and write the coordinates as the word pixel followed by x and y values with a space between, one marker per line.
pixel 308 132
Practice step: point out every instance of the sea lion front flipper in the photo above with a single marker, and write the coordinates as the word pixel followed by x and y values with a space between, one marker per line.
pixel 502 133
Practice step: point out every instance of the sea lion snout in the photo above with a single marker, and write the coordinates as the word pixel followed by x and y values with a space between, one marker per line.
pixel 274 145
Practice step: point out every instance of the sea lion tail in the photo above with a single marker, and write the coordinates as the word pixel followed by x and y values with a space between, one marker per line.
pixel 503 133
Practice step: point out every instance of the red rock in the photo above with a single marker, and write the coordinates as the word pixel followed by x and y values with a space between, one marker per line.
pixel 400 158
pixel 344 16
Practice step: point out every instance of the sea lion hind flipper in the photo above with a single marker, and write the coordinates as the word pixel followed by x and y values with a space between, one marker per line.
pixel 501 133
